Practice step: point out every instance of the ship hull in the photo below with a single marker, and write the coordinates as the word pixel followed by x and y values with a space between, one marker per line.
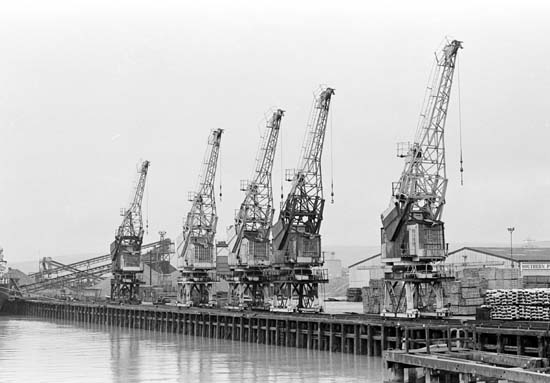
pixel 4 295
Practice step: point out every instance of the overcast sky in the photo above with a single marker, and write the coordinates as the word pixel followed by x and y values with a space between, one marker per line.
pixel 88 89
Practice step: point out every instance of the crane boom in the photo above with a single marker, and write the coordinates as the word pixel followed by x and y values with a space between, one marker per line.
pixel 425 177
pixel 420 191
pixel 302 211
pixel 196 249
pixel 255 217
pixel 132 224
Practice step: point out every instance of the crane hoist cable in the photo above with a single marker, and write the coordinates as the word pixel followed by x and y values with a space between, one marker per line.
pixel 220 171
pixel 331 159
pixel 460 122
pixel 282 169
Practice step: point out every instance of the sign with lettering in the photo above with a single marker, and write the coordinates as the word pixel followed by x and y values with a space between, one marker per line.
pixel 535 266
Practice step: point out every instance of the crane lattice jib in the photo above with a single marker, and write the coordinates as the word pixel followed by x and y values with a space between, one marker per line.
pixel 132 224
pixel 304 204
pixel 255 215
pixel 424 180
pixel 201 220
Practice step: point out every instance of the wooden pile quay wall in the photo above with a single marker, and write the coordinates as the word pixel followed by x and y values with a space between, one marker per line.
pixel 360 335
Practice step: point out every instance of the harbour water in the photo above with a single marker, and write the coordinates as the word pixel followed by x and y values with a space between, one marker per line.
pixel 34 350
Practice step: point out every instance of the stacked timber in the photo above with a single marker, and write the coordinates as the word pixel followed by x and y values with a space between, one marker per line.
pixel 373 296
pixel 519 304
pixel 465 294
pixel 353 294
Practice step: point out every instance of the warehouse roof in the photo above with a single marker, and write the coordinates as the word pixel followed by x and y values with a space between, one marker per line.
pixel 519 254
pixel 364 260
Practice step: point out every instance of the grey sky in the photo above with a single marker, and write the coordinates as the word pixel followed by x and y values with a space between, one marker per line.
pixel 87 89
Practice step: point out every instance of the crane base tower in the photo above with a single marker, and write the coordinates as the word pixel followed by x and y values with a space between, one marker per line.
pixel 248 289
pixel 125 287
pixel 196 288
pixel 297 289
pixel 414 291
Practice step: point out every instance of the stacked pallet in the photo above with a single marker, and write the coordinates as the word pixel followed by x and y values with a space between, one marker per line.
pixel 464 295
pixel 519 304
pixel 353 294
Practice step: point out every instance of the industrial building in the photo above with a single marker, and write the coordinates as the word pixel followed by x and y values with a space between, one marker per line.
pixel 333 266
pixel 531 261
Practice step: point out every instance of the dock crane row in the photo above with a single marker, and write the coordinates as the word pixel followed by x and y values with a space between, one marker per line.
pixel 250 243
pixel 126 248
pixel 196 247
pixel 412 234
pixel 296 257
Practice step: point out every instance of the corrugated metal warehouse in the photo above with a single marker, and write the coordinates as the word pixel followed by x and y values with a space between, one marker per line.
pixel 531 261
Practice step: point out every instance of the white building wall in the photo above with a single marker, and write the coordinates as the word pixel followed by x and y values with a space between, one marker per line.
pixel 360 275
pixel 334 268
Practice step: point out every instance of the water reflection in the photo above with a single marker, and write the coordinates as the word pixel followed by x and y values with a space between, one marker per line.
pixel 45 351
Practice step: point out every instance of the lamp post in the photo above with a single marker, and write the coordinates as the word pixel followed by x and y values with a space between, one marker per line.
pixel 511 230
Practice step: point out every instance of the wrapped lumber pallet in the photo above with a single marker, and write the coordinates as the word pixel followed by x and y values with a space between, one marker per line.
pixel 519 304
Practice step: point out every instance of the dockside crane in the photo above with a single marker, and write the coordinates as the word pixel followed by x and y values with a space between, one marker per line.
pixel 196 248
pixel 250 251
pixel 412 234
pixel 126 248
pixel 295 275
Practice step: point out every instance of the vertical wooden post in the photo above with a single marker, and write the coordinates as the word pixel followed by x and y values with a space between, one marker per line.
pixel 331 337
pixel 369 341
pixel 499 343
pixel 309 335
pixel 241 331
pixel 287 333
pixel 343 338
pixel 297 342
pixel 319 336
pixel 357 339
pixel 427 332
